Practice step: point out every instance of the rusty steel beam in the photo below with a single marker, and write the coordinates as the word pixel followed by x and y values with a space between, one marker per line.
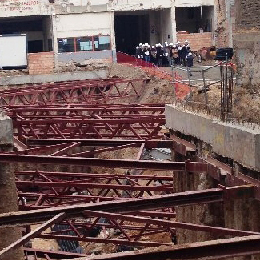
pixel 109 163
pixel 32 234
pixel 215 249
pixel 91 185
pixel 102 142
pixel 131 205
pixel 49 255
pixel 83 175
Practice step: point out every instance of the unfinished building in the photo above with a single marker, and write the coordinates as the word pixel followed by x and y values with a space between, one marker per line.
pixel 81 30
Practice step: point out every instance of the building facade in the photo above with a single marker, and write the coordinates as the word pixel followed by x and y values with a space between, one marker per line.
pixel 94 29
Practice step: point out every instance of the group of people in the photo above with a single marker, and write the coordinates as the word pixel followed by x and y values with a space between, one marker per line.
pixel 166 55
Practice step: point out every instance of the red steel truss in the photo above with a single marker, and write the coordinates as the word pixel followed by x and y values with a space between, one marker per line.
pixel 59 188
pixel 123 124
pixel 86 91
pixel 80 220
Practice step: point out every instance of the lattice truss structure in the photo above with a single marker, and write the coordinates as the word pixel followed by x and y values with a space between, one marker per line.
pixel 65 183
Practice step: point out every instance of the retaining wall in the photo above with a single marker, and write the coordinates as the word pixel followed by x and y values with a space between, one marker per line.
pixel 237 142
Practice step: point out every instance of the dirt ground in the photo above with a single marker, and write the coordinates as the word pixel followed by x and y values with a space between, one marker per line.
pixel 246 104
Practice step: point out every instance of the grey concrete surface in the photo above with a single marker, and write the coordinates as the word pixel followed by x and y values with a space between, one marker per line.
pixel 81 56
pixel 6 130
pixel 234 141
pixel 59 77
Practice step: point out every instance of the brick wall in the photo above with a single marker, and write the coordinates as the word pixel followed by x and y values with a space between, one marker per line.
pixel 196 40
pixel 247 14
pixel 41 63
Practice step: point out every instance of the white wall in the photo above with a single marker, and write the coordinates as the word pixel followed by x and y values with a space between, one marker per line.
pixel 87 24
pixel 10 8
pixel 192 3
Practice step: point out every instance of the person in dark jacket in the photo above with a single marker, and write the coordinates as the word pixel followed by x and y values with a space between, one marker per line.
pixel 189 61
pixel 159 54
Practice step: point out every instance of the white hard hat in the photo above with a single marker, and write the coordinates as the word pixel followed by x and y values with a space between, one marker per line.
pixel 186 41
pixel 178 42
pixel 146 44
pixel 152 46
pixel 140 44
pixel 171 44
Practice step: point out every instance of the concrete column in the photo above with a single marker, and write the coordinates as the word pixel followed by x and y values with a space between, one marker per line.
pixel 173 24
pixel 112 36
pixel 55 39
pixel 8 195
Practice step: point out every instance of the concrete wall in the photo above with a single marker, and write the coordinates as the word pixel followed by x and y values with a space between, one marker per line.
pixel 247 48
pixel 58 77
pixel 8 195
pixel 233 141
pixel 10 8
pixel 76 25
pixel 246 43
pixel 224 22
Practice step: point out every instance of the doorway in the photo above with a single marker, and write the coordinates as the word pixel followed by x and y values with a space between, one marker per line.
pixel 130 30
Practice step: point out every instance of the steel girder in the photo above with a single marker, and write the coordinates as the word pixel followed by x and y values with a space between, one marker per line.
pixel 147 127
pixel 215 249
pixel 129 206
pixel 86 91
pixel 187 166
pixel 96 185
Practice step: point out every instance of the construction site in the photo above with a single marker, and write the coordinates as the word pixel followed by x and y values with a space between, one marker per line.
pixel 106 157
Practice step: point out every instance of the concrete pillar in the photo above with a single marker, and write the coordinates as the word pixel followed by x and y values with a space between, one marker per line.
pixel 112 36
pixel 55 39
pixel 8 195
pixel 173 23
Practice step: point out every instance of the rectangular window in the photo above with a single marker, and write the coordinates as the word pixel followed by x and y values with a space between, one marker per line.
pixel 84 44
pixel 102 42
pixel 66 45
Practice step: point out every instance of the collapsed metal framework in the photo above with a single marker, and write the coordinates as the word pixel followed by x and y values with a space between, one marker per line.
pixel 56 126
pixel 99 121
pixel 73 92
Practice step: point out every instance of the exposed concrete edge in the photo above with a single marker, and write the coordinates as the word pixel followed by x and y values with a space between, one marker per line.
pixel 6 130
pixel 234 141
pixel 66 76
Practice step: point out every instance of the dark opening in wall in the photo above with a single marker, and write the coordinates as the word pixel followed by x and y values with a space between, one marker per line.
pixel 131 30
pixel 195 19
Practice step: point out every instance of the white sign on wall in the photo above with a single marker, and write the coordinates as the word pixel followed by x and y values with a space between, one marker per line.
pixel 13 50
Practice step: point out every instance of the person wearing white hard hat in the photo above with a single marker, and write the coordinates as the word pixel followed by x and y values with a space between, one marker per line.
pixel 146 53
pixel 184 52
pixel 139 51
pixel 166 54
pixel 159 55
pixel 179 53
pixel 153 54
pixel 171 60
pixel 189 61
